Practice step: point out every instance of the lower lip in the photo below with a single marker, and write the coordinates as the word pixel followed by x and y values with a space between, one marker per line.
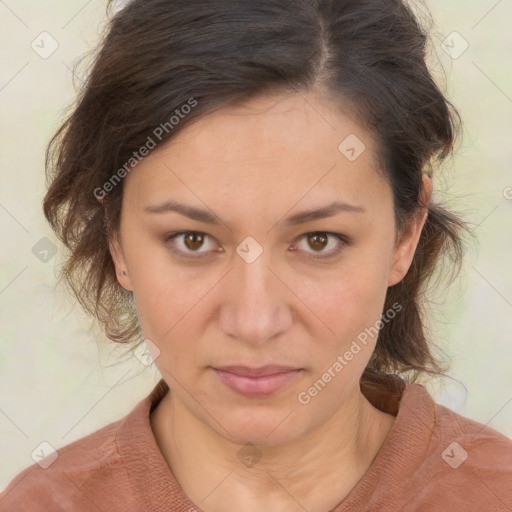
pixel 257 386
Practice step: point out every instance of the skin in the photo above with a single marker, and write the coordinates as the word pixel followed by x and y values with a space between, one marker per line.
pixel 253 165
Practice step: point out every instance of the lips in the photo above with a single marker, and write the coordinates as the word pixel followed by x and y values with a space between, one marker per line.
pixel 256 372
pixel 257 382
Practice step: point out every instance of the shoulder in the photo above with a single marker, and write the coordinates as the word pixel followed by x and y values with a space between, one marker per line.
pixel 105 470
pixel 65 477
pixel 466 463
pixel 472 446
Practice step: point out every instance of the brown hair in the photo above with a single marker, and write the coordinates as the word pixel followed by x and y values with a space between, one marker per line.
pixel 156 55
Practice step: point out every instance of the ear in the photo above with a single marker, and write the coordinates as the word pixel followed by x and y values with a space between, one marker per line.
pixel 117 254
pixel 406 247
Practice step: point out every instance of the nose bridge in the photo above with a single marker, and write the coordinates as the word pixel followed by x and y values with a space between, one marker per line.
pixel 253 310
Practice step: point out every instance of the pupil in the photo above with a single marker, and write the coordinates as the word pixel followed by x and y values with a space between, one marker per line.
pixel 194 237
pixel 315 239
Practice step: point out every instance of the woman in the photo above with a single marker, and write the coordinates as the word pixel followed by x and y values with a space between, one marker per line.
pixel 246 188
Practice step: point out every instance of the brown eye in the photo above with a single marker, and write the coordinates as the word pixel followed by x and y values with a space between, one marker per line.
pixel 193 241
pixel 190 243
pixel 317 241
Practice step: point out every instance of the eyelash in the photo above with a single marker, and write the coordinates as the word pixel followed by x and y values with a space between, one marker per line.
pixel 191 254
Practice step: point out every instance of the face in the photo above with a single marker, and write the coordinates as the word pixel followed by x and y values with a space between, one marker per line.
pixel 259 268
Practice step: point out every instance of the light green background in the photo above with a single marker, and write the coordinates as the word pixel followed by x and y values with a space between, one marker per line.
pixel 56 386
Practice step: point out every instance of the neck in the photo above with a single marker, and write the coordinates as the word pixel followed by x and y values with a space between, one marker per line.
pixel 315 472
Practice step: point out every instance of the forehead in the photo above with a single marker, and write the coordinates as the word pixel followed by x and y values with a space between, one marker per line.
pixel 294 146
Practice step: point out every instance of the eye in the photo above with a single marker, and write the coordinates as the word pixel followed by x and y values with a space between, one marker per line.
pixel 192 241
pixel 320 240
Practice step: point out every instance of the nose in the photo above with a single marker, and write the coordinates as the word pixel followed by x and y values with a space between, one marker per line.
pixel 256 304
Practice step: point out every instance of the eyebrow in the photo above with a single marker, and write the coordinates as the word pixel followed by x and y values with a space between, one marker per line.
pixel 210 218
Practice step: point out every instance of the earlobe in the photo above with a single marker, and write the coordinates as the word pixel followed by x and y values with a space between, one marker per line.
pixel 120 264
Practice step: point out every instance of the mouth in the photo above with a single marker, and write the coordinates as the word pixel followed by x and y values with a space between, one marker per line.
pixel 257 382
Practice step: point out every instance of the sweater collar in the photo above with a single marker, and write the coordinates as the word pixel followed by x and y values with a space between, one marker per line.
pixel 401 454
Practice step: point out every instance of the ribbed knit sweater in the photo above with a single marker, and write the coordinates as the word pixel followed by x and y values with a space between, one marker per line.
pixel 432 460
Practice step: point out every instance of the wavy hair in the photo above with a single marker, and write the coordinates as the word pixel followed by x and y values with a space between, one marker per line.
pixel 369 56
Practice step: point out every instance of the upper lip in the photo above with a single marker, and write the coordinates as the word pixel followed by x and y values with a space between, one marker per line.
pixel 256 372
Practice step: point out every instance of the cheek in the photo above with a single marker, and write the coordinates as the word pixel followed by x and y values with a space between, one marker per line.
pixel 172 307
pixel 162 292
pixel 169 305
pixel 352 297
pixel 169 319
pixel 350 304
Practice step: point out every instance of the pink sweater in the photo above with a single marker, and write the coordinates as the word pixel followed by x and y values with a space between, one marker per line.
pixel 432 460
